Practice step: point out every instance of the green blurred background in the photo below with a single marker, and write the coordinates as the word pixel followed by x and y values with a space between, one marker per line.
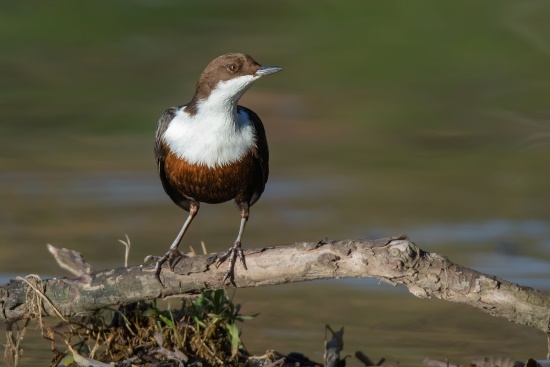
pixel 428 118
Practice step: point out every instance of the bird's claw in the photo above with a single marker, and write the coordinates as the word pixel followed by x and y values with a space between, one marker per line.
pixel 231 254
pixel 172 256
pixel 151 258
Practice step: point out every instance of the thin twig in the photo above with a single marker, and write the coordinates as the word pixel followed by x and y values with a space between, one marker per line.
pixel 127 245
pixel 43 296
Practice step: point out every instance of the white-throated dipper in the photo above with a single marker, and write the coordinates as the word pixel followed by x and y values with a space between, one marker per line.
pixel 212 150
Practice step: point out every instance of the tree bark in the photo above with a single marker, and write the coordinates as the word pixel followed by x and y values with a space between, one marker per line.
pixel 393 260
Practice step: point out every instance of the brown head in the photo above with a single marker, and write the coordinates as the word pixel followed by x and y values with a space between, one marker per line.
pixel 230 75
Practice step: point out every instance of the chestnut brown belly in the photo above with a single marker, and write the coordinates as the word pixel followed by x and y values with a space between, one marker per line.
pixel 201 183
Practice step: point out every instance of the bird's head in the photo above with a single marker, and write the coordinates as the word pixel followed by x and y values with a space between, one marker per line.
pixel 227 77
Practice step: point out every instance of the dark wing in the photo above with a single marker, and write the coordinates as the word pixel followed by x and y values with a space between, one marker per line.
pixel 160 156
pixel 260 152
pixel 162 125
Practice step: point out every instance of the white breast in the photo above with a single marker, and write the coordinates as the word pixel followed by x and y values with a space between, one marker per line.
pixel 212 137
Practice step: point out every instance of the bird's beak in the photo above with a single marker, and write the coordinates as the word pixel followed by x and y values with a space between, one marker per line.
pixel 265 70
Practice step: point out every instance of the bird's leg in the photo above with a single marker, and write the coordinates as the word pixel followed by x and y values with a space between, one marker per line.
pixel 173 254
pixel 234 251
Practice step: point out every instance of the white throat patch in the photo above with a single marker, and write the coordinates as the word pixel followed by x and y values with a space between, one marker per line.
pixel 216 135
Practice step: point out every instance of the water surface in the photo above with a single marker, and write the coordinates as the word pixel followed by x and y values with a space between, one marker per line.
pixel 428 119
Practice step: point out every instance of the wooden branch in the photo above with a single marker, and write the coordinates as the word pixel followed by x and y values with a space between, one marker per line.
pixel 394 260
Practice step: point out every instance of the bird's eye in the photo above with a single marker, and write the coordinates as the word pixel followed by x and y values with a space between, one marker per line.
pixel 232 68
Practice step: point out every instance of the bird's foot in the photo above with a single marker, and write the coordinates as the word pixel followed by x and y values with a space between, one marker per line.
pixel 173 256
pixel 232 254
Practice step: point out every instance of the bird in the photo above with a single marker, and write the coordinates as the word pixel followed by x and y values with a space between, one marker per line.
pixel 212 150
